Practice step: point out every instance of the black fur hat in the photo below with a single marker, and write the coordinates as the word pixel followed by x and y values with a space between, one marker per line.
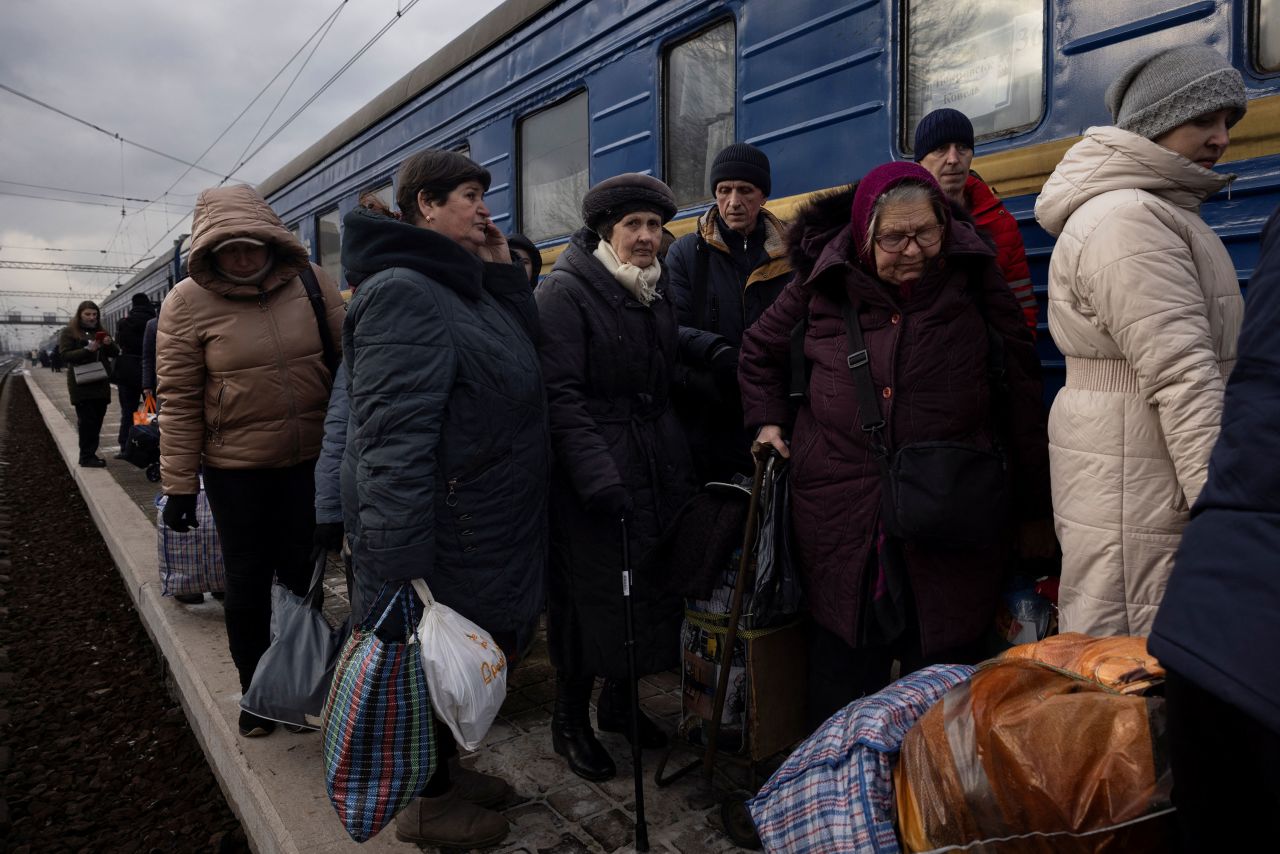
pixel 613 198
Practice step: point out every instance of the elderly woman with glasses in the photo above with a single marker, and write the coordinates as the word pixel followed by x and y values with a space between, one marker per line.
pixel 950 360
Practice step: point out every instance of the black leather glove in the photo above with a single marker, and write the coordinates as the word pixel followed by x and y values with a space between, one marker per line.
pixel 612 502
pixel 327 538
pixel 180 513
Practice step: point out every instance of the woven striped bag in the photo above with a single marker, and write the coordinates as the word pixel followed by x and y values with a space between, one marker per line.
pixel 379 735
pixel 190 561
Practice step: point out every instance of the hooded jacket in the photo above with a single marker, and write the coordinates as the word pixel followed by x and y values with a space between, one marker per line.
pixel 1145 306
pixel 444 470
pixel 240 368
pixel 928 359
pixel 1218 623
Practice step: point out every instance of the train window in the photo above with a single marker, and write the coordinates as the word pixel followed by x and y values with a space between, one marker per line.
pixel 553 169
pixel 464 150
pixel 697 109
pixel 329 234
pixel 984 59
pixel 385 194
pixel 1266 17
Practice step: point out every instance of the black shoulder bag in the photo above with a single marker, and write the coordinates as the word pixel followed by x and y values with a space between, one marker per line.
pixel 331 357
pixel 945 492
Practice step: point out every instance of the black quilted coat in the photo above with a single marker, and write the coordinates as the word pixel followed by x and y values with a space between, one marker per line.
pixel 607 360
pixel 444 476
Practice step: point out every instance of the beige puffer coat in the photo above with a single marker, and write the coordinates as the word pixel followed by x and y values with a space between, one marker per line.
pixel 240 368
pixel 1145 305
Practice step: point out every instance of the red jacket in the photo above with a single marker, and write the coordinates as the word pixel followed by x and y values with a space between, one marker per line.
pixel 1011 257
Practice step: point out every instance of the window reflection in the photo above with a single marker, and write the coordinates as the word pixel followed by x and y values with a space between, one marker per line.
pixel 329 235
pixel 699 110
pixel 985 59
pixel 553 169
pixel 1268 30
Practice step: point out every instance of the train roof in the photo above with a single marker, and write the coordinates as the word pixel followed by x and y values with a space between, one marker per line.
pixel 488 31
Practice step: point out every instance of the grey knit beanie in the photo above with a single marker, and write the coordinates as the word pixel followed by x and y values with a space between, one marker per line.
pixel 1166 89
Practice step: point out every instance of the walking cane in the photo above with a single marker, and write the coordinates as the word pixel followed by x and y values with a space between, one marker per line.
pixel 642 832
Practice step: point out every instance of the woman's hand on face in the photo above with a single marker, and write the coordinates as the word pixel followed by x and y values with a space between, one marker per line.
pixel 771 434
pixel 494 249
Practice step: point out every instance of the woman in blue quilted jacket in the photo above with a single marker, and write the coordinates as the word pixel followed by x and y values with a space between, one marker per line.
pixel 444 473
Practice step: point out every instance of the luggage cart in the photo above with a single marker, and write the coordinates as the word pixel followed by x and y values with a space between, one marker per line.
pixel 774 671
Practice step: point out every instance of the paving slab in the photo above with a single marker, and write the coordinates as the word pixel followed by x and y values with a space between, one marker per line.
pixel 275 785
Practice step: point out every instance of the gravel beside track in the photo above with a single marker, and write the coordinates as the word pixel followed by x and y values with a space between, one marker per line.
pixel 95 753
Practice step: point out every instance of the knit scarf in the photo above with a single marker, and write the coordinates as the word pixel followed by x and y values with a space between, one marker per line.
pixel 640 282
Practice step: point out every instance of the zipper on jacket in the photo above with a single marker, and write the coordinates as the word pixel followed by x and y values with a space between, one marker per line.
pixel 452 484
pixel 216 438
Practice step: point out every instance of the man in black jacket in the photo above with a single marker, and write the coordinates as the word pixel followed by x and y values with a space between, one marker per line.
pixel 128 368
pixel 723 277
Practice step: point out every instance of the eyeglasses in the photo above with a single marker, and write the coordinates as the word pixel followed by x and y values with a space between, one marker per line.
pixel 896 241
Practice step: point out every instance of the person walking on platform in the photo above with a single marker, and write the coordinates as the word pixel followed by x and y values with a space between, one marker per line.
pixel 944 146
pixel 608 356
pixel 1216 631
pixel 81 343
pixel 723 276
pixel 1145 305
pixel 928 299
pixel 240 365
pixel 444 473
pixel 128 367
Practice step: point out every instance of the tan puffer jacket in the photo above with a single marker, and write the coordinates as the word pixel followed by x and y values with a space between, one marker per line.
pixel 1145 305
pixel 240 368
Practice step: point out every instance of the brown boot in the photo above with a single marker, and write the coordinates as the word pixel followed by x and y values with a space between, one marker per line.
pixel 450 821
pixel 483 790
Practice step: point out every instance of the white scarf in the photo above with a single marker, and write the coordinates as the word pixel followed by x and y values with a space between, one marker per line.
pixel 640 282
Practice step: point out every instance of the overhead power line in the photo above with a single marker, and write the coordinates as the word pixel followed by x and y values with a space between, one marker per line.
pixel 327 22
pixel 79 192
pixel 70 268
pixel 111 134
pixel 307 103
pixel 116 206
pixel 5 293
pixel 327 26
pixel 9 246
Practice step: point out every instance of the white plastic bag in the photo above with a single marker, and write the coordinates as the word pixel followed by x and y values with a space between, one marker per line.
pixel 466 671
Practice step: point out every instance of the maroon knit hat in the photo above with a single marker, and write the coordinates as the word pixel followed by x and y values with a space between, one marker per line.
pixel 875 184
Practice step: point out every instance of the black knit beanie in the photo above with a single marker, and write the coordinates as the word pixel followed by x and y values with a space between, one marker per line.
pixel 940 127
pixel 742 161
pixel 613 198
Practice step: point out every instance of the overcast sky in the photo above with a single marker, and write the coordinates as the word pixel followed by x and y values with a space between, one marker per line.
pixel 171 76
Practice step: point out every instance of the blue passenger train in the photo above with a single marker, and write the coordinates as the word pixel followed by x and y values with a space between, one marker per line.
pixel 554 95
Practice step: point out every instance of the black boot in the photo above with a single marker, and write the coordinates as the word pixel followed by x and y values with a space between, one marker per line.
pixel 571 733
pixel 612 715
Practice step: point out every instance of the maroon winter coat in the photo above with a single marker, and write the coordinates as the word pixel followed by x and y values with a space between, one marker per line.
pixel 928 352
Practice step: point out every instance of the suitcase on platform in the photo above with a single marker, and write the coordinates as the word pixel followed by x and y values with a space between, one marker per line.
pixel 190 561
pixel 143 449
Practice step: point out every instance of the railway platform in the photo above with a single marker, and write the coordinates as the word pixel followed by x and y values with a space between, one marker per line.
pixel 275 785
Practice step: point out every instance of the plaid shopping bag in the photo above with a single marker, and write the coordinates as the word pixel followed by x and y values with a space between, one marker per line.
pixel 379 736
pixel 189 561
